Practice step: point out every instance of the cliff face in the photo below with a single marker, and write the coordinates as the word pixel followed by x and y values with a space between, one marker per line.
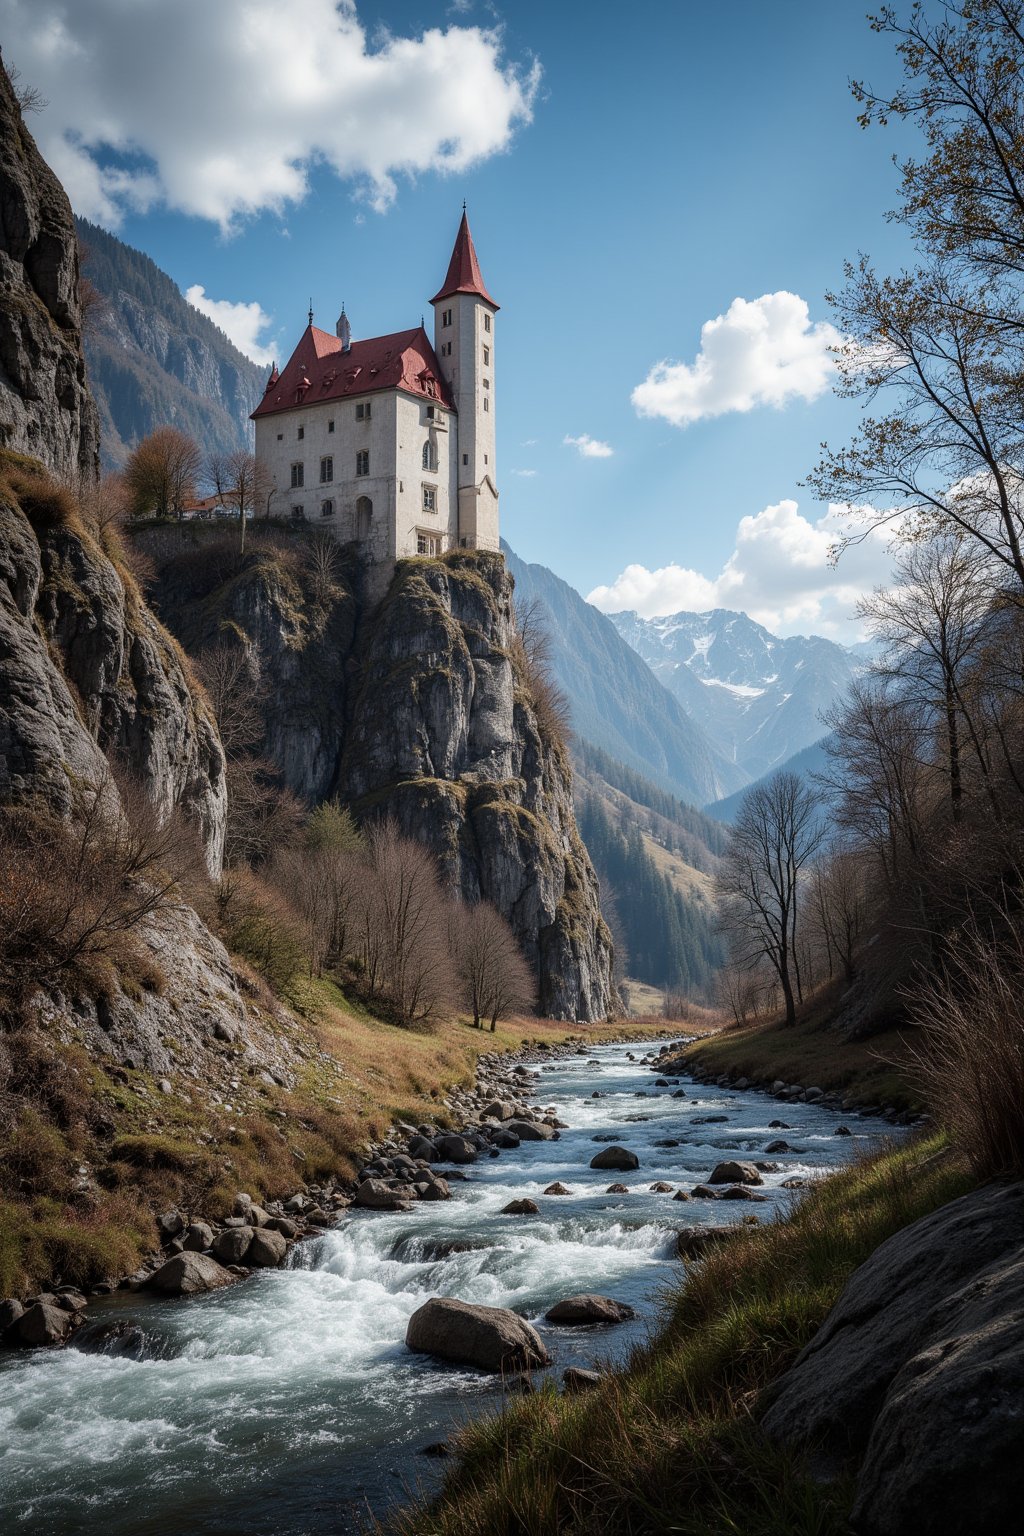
pixel 45 407
pixel 89 679
pixel 418 709
pixel 444 736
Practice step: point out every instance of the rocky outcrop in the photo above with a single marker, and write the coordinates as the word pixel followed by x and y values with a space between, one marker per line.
pixel 444 735
pixel 491 1338
pixel 45 407
pixel 88 678
pixel 917 1375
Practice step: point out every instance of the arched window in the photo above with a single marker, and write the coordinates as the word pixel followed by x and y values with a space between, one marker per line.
pixel 327 509
pixel 364 517
pixel 430 456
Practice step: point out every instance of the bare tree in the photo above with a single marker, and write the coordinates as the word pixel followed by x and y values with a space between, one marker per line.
pixel 323 565
pixel 231 676
pixel 533 655
pixel 776 833
pixel 931 622
pixel 404 928
pixel 248 481
pixel 840 902
pixel 161 473
pixel 496 978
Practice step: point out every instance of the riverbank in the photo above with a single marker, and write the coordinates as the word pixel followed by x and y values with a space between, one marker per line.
pixel 670 1442
pixel 119 1163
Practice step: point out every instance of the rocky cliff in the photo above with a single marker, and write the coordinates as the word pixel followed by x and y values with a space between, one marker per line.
pixel 419 707
pixel 445 735
pixel 45 407
pixel 89 681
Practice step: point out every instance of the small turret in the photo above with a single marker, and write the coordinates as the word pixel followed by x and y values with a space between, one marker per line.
pixel 273 378
pixel 344 331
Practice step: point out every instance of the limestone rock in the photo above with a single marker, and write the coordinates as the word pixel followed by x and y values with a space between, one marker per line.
pixel 531 1130
pixel 376 1195
pixel 45 407
pixel 492 1338
pixel 190 1274
pixel 43 1323
pixel 918 1373
pixel 586 1308
pixel 232 1245
pixel 267 1250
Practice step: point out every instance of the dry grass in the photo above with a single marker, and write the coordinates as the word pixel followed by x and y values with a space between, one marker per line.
pixel 969 1063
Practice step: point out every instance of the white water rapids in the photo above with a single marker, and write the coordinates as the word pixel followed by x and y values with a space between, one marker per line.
pixel 289 1403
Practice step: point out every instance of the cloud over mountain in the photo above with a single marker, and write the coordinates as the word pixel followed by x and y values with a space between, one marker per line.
pixel 780 572
pixel 761 351
pixel 241 323
pixel 219 110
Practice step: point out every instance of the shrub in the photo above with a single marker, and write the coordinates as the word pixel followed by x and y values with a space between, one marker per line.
pixel 970 1067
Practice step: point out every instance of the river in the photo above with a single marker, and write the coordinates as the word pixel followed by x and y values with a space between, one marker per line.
pixel 289 1404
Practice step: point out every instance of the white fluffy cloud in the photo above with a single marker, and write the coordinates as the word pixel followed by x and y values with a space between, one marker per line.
pixel 760 352
pixel 241 323
pixel 589 447
pixel 780 572
pixel 219 110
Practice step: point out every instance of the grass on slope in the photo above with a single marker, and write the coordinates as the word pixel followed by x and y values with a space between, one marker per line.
pixel 812 1054
pixel 143 1150
pixel 671 1444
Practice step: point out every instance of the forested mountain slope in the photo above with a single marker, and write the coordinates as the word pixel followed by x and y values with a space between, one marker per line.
pixel 154 360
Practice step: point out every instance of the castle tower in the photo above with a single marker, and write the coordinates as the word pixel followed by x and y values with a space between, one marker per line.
pixel 464 336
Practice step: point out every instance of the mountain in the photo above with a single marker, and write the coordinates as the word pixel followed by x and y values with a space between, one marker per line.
pixel 808 761
pixel 759 699
pixel 616 701
pixel 155 361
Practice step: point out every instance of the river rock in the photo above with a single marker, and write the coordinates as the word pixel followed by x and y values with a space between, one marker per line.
pixel 43 1323
pixel 704 1192
pixel 532 1130
pixel 419 1146
pixel 492 1338
pixel 661 1188
pixel 499 1109
pixel 506 1139
pixel 918 1374
pixel 557 1189
pixel 521 1208
pixel 267 1249
pixel 589 1309
pixel 169 1224
pixel 735 1173
pixel 435 1189
pixel 198 1237
pixel 455 1149
pixel 777 1146
pixel 694 1242
pixel 232 1245
pixel 375 1195
pixel 741 1192
pixel 284 1225
pixel 578 1379
pixel 617 1189
pixel 189 1274
pixel 10 1311
pixel 615 1157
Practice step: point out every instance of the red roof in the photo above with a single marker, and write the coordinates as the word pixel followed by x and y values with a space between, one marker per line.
pixel 464 269
pixel 319 370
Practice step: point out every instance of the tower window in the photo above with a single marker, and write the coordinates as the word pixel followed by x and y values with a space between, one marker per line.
pixel 487 383
pixel 487 356
pixel 363 410
pixel 446 317
pixel 465 458
pixel 430 498
pixel 487 322
pixel 430 456
pixel 327 469
pixel 327 509
pixel 280 437
pixel 427 543
pixel 363 461
pixel 487 403
pixel 301 433
pixel 298 476
pixel 330 426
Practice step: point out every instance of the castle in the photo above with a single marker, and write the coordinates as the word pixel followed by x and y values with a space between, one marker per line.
pixel 389 442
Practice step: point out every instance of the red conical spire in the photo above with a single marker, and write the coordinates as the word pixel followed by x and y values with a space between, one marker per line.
pixel 464 269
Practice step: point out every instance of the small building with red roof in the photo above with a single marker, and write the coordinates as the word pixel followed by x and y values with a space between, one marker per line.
pixel 388 442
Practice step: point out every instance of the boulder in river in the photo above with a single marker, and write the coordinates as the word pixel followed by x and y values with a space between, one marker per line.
pixel 615 1157
pixel 589 1309
pixel 531 1130
pixel 267 1249
pixel 491 1338
pixel 44 1323
pixel 617 1189
pixel 232 1245
pixel 777 1146
pixel 198 1237
pixel 420 1146
pixel 578 1379
pixel 455 1149
pixel 661 1188
pixel 735 1173
pixel 376 1195
pixel 521 1208
pixel 557 1189
pixel 189 1274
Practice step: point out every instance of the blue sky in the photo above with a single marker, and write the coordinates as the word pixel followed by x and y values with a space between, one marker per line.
pixel 635 170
